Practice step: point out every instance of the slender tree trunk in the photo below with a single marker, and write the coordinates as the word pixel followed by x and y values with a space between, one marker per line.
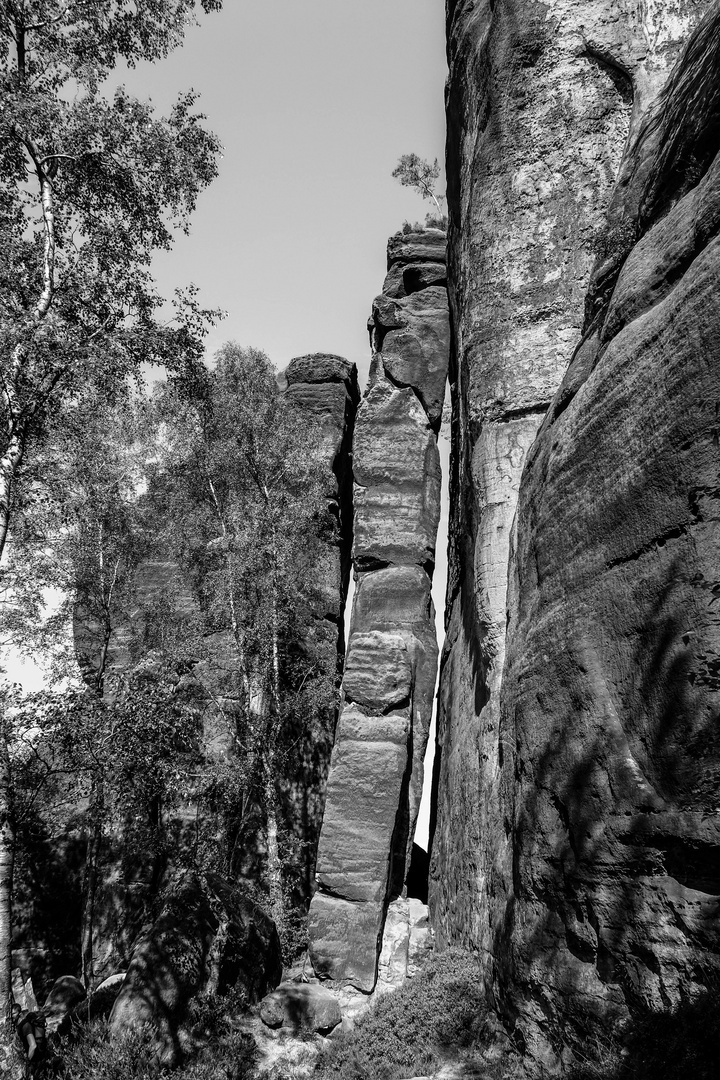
pixel 92 861
pixel 217 953
pixel 9 464
pixel 11 1064
pixel 274 862
pixel 275 880
pixel 96 808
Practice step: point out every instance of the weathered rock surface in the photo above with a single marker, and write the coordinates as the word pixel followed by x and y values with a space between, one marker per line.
pixel 397 480
pixel 407 941
pixel 541 99
pixel 65 994
pixel 202 933
pixel 413 335
pixel 375 777
pixel 301 1007
pixel 611 689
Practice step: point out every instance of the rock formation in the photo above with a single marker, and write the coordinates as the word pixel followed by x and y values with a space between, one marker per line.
pixel 375 777
pixel 573 844
pixel 610 692
pixel 207 936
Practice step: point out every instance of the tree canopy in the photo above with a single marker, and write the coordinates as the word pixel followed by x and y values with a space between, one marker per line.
pixel 90 187
pixel 413 171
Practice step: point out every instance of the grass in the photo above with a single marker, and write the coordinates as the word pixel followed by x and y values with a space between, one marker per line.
pixel 214 1049
pixel 677 1044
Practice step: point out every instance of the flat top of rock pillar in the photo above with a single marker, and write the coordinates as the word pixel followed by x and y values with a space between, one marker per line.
pixel 320 368
pixel 425 245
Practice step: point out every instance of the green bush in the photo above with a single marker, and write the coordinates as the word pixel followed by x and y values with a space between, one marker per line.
pixel 437 1015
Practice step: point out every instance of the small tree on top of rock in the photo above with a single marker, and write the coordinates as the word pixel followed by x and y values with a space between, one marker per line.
pixel 413 171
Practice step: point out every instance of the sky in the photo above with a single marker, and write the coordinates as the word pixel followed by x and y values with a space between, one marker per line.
pixel 314 102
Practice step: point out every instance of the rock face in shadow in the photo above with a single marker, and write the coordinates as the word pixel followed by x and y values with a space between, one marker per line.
pixel 205 936
pixel 375 779
pixel 611 688
pixel 541 101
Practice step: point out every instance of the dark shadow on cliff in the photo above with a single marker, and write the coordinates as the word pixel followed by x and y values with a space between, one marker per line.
pixel 589 893
pixel 675 1045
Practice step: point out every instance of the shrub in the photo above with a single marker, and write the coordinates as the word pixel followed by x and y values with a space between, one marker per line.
pixel 437 1015
pixel 220 1051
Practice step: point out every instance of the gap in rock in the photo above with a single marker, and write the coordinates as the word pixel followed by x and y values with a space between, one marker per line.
pixel 419 875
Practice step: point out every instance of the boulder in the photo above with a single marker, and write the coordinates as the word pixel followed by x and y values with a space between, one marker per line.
pixel 65 994
pixel 100 1002
pixel 300 1007
pixel 203 930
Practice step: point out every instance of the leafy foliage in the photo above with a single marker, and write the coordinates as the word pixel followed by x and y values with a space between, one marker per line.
pixel 240 481
pixel 90 187
pixel 676 1043
pixel 216 1050
pixel 413 171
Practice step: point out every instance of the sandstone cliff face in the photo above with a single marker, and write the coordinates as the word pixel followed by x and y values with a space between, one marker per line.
pixel 375 779
pixel 586 867
pixel 541 100
pixel 610 697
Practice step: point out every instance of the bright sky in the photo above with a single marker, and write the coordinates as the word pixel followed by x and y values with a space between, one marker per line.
pixel 314 101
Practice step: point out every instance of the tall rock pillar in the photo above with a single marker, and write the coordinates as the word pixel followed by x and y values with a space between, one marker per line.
pixel 376 768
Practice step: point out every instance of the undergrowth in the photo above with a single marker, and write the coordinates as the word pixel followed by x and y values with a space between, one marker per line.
pixel 214 1049
pixel 678 1044
pixel 438 1015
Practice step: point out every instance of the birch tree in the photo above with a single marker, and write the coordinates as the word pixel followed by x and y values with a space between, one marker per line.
pixel 90 186
pixel 249 473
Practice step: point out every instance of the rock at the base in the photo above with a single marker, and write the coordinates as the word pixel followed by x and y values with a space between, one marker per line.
pixel 101 1001
pixel 366 773
pixel 201 931
pixel 407 940
pixel 301 1007
pixel 65 993
pixel 339 932
pixel 22 991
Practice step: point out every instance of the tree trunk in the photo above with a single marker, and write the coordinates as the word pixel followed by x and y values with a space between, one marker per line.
pixel 92 859
pixel 10 1062
pixel 274 862
pixel 275 881
pixel 9 464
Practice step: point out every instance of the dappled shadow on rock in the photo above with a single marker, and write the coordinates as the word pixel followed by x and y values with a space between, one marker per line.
pixel 610 700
